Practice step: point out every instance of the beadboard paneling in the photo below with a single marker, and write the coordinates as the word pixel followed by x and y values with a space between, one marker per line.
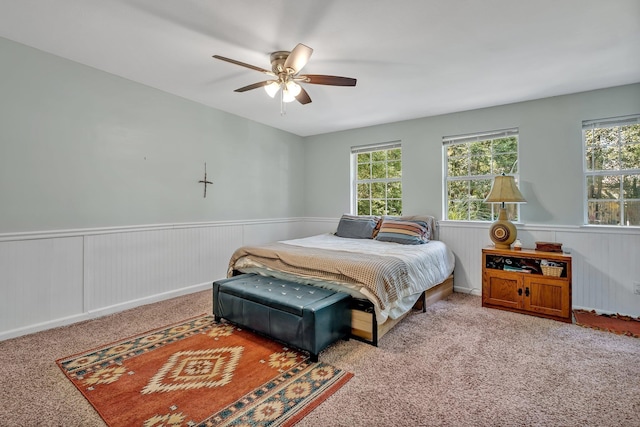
pixel 40 280
pixel 605 265
pixel 466 243
pixel 255 234
pixel 314 226
pixel 129 266
pixel 55 278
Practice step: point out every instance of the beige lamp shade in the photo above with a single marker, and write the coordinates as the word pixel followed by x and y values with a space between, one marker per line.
pixel 504 190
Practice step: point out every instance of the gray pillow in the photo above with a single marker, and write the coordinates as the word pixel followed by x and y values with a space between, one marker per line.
pixel 357 226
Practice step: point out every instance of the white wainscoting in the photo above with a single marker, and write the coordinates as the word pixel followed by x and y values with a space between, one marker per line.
pixel 55 278
pixel 606 261
pixel 40 280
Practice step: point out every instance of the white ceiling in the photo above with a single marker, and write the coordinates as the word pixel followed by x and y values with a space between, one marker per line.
pixel 412 58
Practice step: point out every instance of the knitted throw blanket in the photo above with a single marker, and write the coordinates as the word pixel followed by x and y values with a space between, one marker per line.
pixel 384 276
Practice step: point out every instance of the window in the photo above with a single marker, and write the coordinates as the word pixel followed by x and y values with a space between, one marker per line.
pixel 377 172
pixel 612 171
pixel 470 163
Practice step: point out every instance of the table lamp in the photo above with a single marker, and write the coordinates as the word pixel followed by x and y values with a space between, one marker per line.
pixel 504 190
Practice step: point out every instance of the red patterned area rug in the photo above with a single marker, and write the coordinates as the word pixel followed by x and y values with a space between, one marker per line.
pixel 199 373
pixel 616 323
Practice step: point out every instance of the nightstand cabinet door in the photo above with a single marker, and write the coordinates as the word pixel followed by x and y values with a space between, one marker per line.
pixel 502 289
pixel 547 296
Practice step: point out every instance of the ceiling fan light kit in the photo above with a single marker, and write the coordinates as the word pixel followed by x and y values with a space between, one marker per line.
pixel 272 88
pixel 285 67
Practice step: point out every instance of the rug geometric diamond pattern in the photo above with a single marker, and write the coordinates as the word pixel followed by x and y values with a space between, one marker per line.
pixel 201 373
pixel 195 369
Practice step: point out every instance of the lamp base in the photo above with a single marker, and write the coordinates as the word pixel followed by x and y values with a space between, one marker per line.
pixel 502 232
pixel 502 246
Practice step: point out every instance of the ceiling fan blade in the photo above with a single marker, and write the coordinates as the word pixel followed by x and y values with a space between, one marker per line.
pixel 303 97
pixel 254 86
pixel 319 79
pixel 298 58
pixel 243 64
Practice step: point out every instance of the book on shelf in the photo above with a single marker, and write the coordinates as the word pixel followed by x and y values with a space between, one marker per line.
pixel 518 269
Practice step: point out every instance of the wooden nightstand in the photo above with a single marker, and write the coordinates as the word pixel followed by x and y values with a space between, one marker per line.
pixel 514 280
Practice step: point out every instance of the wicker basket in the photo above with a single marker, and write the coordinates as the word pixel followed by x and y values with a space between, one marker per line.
pixel 548 270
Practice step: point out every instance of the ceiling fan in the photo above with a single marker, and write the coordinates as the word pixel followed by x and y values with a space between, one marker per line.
pixel 285 68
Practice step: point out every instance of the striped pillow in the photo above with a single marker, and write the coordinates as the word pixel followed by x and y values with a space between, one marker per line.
pixel 404 232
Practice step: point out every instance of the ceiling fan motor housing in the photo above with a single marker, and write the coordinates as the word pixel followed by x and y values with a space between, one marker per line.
pixel 278 59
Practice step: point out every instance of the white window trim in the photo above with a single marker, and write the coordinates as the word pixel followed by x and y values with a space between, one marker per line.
pixel 473 137
pixel 357 149
pixel 596 124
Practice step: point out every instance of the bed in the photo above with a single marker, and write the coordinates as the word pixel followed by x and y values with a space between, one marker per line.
pixel 388 265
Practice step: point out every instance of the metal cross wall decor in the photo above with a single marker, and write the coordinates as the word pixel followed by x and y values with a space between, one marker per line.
pixel 204 181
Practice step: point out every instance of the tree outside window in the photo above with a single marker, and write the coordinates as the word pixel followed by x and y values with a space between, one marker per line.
pixel 471 163
pixel 378 180
pixel 612 171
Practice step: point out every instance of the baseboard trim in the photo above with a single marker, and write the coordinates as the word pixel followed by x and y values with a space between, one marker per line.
pixel 116 308
pixel 470 291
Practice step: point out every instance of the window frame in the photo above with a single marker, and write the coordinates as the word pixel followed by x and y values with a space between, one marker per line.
pixel 604 124
pixel 370 148
pixel 513 209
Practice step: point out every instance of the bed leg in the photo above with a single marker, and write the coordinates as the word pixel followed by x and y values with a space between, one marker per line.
pixel 374 329
pixel 424 302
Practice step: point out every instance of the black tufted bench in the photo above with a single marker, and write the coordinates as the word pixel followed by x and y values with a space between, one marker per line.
pixel 302 316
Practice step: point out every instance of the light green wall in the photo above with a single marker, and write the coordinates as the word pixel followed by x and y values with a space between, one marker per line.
pixel 550 154
pixel 83 148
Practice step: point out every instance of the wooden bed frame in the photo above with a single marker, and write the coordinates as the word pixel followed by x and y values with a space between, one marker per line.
pixel 364 326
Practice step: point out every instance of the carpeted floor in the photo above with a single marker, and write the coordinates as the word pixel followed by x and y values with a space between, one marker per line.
pixel 458 364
